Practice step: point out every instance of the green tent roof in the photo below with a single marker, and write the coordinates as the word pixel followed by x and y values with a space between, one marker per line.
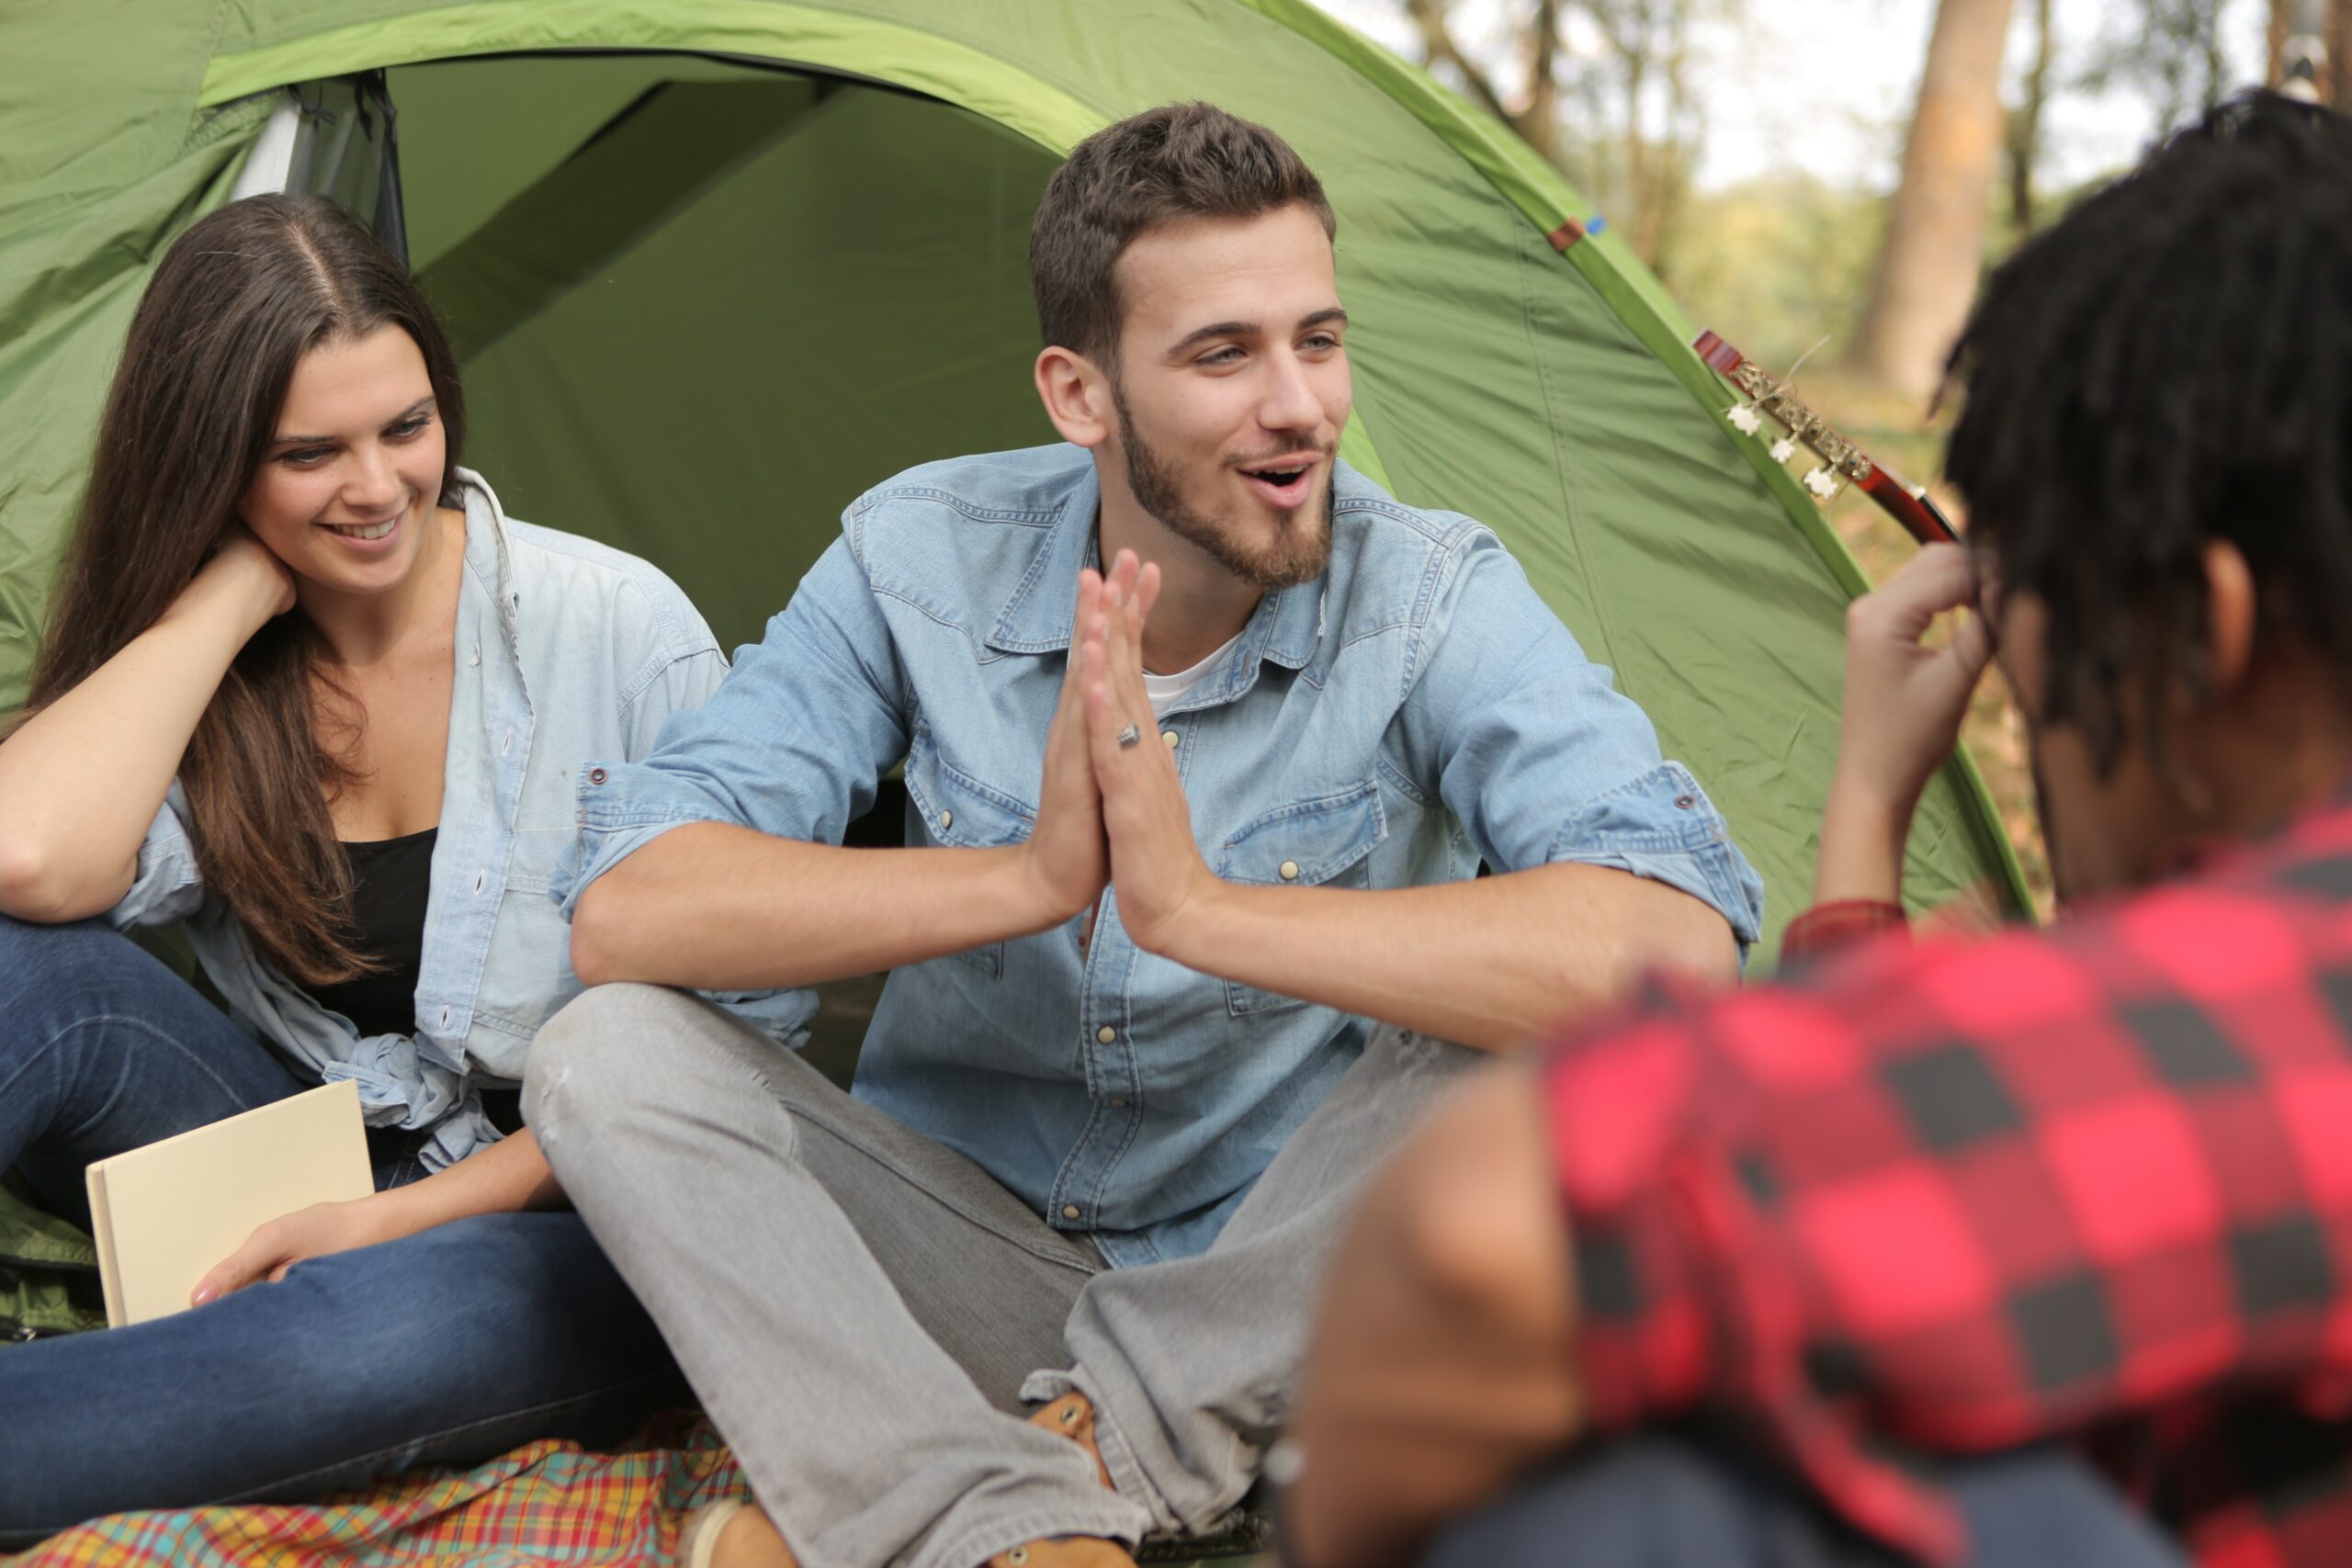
pixel 715 265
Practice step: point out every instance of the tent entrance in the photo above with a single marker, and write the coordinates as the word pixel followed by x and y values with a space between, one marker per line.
pixel 702 305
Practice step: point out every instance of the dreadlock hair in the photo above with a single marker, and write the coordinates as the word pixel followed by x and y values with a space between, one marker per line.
pixel 2168 365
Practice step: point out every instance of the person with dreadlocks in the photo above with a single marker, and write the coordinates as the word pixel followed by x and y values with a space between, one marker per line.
pixel 1943 1249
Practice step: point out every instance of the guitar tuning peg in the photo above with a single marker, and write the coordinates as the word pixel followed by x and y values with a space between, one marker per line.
pixel 1743 418
pixel 1822 483
pixel 1784 448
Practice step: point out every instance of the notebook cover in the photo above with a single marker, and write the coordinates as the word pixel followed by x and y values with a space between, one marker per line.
pixel 165 1214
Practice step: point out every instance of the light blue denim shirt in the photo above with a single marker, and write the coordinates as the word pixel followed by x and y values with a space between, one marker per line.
pixel 1413 710
pixel 565 650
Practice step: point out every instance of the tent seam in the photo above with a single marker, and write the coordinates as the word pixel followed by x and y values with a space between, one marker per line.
pixel 1555 421
pixel 679 203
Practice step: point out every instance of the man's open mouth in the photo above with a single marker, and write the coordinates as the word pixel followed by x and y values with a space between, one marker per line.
pixel 1285 478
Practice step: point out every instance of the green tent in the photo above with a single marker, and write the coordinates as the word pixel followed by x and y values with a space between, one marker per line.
pixel 715 265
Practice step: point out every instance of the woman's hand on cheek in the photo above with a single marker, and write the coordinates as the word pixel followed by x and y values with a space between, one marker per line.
pixel 253 569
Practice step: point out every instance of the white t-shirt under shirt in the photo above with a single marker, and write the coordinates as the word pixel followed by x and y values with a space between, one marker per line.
pixel 1163 690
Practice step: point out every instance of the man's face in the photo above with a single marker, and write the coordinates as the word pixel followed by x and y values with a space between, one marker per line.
pixel 1232 388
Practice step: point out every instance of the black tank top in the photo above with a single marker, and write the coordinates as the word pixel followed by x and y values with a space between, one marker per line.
pixel 389 879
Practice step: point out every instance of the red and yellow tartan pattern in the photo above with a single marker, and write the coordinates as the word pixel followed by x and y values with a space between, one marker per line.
pixel 545 1503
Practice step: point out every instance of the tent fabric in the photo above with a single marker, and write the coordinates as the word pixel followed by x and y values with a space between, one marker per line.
pixel 715 265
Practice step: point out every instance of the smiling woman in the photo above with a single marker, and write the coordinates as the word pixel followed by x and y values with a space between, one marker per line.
pixel 310 691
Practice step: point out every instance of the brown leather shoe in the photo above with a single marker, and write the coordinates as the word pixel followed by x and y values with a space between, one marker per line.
pixel 1072 1416
pixel 1070 1551
pixel 741 1536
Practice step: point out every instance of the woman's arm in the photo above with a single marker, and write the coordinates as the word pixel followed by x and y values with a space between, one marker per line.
pixel 510 1175
pixel 82 779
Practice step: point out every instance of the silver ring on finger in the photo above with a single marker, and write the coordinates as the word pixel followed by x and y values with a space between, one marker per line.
pixel 1130 736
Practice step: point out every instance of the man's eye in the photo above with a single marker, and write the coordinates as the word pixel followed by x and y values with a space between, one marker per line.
pixel 1224 356
pixel 1322 342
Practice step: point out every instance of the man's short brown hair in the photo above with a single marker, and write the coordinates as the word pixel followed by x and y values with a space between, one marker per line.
pixel 1164 165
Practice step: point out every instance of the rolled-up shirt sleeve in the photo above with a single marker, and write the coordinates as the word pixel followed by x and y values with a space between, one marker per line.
pixel 167 886
pixel 1544 761
pixel 792 743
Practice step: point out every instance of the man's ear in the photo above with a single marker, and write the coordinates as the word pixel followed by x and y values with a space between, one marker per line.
pixel 2230 615
pixel 1077 396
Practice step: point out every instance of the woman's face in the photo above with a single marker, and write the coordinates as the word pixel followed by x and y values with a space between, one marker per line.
pixel 347 485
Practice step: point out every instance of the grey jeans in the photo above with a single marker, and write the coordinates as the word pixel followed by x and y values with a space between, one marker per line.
pixel 864 1311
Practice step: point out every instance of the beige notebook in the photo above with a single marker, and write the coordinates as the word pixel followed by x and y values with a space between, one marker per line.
pixel 164 1214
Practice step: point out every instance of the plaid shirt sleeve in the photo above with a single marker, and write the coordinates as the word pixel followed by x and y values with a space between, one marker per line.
pixel 1952 1197
pixel 1832 927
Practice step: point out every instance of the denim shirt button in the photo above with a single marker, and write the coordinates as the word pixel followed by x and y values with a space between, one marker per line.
pixel 1070 1210
pixel 1290 871
pixel 1685 802
pixel 596 775
pixel 947 820
pixel 1172 738
pixel 1106 1035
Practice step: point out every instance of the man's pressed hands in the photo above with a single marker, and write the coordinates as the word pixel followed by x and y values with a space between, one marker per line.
pixel 1155 863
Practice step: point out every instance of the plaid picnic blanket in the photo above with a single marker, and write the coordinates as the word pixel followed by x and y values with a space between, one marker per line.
pixel 545 1503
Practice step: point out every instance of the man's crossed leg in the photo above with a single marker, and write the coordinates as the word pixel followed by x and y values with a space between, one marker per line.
pixel 864 1311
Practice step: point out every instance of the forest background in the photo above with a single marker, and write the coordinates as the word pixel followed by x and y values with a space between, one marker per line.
pixel 1828 182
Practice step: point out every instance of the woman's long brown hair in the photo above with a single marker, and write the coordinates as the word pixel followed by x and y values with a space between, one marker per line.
pixel 236 302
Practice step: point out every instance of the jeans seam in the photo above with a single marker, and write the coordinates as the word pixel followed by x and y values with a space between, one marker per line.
pixel 550 1407
pixel 1073 1261
pixel 194 1059
pixel 254 1493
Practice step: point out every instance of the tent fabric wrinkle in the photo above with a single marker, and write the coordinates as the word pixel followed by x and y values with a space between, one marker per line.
pixel 715 266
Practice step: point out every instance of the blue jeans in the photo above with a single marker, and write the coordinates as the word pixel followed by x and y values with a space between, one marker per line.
pixel 1664 1502
pixel 447 1346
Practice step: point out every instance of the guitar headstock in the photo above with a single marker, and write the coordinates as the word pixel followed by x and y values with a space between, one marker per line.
pixel 1841 462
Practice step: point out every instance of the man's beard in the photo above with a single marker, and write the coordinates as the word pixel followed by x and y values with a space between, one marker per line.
pixel 1301 548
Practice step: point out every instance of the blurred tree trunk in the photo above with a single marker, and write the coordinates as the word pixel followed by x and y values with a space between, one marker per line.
pixel 1537 120
pixel 1622 121
pixel 1935 233
pixel 2330 21
pixel 1650 43
pixel 2024 147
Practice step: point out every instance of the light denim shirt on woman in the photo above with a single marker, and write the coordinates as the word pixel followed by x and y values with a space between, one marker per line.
pixel 1411 711
pixel 565 650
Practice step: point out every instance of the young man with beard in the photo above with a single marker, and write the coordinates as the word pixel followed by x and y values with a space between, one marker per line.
pixel 1830 1257
pixel 1180 831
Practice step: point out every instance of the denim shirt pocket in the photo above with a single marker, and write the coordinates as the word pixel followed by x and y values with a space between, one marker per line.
pixel 1323 842
pixel 958 811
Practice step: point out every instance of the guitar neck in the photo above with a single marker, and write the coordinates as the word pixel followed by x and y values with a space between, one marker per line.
pixel 1908 505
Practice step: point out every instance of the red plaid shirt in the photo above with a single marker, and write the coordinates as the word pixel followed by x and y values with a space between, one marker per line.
pixel 1956 1196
